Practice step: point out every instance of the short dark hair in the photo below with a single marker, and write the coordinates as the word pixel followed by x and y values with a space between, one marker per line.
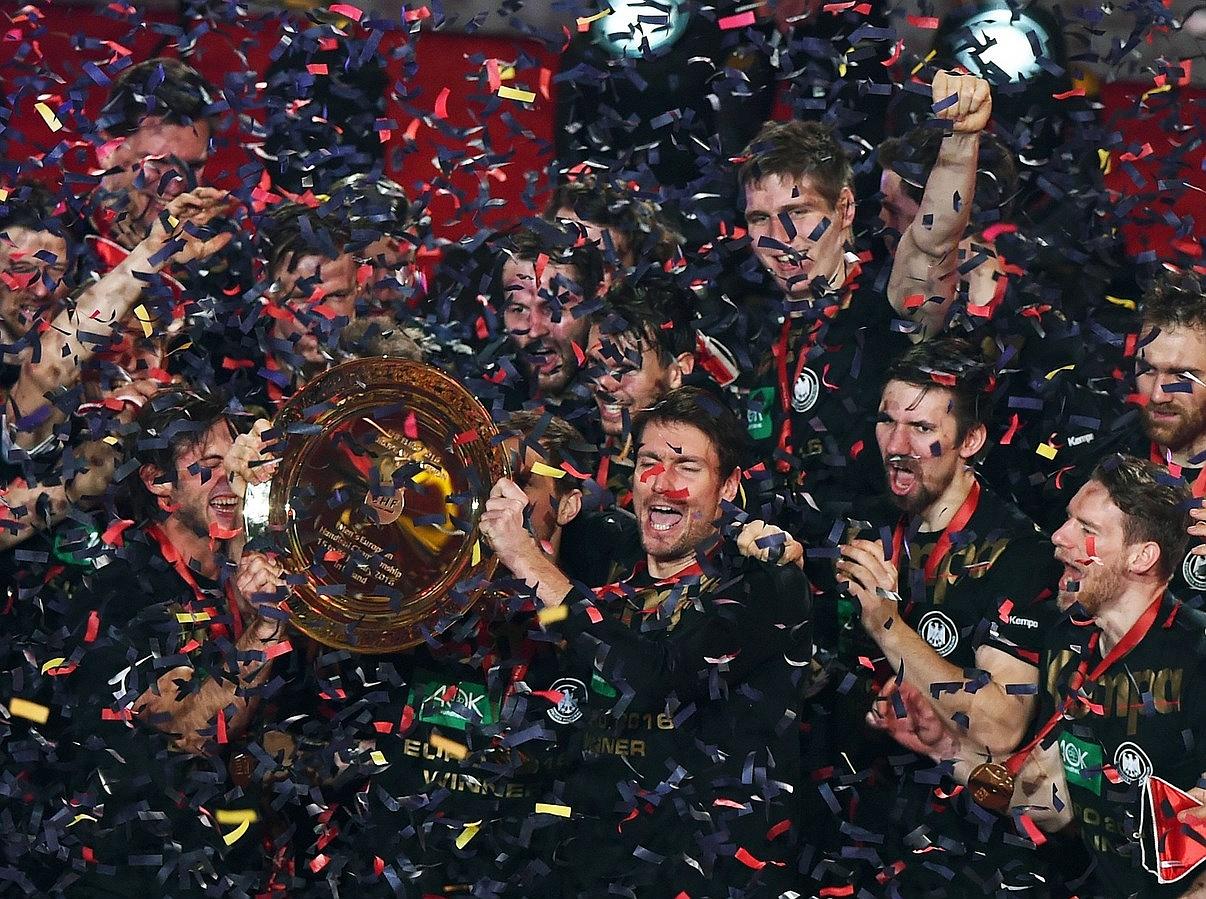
pixel 655 312
pixel 1154 505
pixel 797 150
pixel 167 88
pixel 700 409
pixel 560 244
pixel 370 207
pixel 1175 299
pixel 913 155
pixel 600 202
pixel 953 365
pixel 559 441
pixel 168 426
pixel 289 231
pixel 33 206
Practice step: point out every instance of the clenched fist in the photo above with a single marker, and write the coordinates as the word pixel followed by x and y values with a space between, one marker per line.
pixel 964 100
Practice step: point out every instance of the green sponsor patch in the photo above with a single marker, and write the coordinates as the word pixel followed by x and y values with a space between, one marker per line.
pixel 758 413
pixel 602 687
pixel 451 704
pixel 1082 762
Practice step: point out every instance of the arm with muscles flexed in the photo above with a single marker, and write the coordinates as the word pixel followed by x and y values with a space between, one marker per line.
pixel 178 236
pixel 927 257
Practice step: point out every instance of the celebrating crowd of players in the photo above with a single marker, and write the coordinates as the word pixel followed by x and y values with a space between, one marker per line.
pixel 848 584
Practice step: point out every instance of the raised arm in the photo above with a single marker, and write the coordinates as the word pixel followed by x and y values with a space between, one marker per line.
pixel 76 332
pixel 924 274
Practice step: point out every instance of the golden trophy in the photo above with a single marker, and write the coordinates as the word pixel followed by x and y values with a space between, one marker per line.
pixel 385 470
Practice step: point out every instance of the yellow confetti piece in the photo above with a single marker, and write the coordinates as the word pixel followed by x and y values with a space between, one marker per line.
pixel 1046 450
pixel 144 319
pixel 1155 90
pixel 450 748
pixel 584 22
pixel 921 65
pixel 48 116
pixel 78 818
pixel 468 834
pixel 23 708
pixel 546 808
pixel 513 93
pixel 192 617
pixel 228 816
pixel 111 440
pixel 547 471
pixel 552 614
pixel 507 73
pixel 1105 162
pixel 378 757
pixel 1055 371
pixel 1121 301
pixel 3 194
pixel 53 663
pixel 235 835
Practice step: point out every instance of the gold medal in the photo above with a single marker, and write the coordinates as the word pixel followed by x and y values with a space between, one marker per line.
pixel 991 787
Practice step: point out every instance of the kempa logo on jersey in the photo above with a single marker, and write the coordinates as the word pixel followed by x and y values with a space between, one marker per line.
pixel 936 629
pixel 805 391
pixel 1022 622
pixel 569 707
pixel 1132 763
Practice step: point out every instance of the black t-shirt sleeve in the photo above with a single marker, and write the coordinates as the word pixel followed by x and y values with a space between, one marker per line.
pixel 1016 590
pixel 763 615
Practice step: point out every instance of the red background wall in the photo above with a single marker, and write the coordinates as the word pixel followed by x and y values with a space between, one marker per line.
pixel 452 76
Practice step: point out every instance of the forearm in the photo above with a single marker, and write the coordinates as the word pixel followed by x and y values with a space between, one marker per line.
pixel 72 339
pixel 947 202
pixel 187 716
pixel 544 577
pixel 989 716
pixel 924 277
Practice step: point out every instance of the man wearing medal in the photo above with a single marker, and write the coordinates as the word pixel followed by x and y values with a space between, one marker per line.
pixel 943 577
pixel 842 316
pixel 1121 745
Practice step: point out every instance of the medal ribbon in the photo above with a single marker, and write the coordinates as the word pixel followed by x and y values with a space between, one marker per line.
pixel 1198 487
pixel 172 556
pixel 1129 641
pixel 780 351
pixel 945 540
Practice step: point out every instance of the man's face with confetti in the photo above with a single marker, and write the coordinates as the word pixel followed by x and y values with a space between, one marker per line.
pixel 392 275
pixel 538 313
pixel 201 500
pixel 148 169
pixel 897 209
pixel 612 244
pixel 628 375
pixel 1092 547
pixel 796 233
pixel 33 266
pixel 677 489
pixel 316 298
pixel 918 437
pixel 1170 376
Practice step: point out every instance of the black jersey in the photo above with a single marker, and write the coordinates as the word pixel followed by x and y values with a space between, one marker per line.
pixel 692 748
pixel 1146 715
pixel 831 364
pixel 984 590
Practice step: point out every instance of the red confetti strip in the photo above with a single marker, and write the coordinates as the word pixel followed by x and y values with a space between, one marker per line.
pixel 741 20
pixel 779 829
pixel 441 103
pixel 743 856
pixel 93 626
pixel 1033 834
pixel 466 437
pixel 113 533
pixel 347 11
pixel 1011 431
pixel 652 472
pixel 928 22
pixel 222 739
